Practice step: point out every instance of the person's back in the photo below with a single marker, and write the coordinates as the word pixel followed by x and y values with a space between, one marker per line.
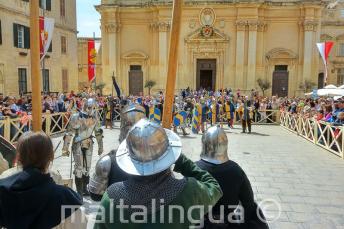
pixel 235 185
pixel 152 197
pixel 30 198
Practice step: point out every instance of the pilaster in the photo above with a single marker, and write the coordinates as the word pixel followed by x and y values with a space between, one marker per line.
pixel 240 53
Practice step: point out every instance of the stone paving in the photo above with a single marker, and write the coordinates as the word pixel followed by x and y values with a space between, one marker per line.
pixel 305 180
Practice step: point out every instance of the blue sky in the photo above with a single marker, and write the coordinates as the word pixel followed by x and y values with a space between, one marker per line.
pixel 88 18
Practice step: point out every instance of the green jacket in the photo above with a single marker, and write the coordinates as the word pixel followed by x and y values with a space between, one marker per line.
pixel 200 191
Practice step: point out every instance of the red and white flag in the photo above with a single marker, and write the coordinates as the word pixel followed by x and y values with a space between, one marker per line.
pixel 325 49
pixel 46 30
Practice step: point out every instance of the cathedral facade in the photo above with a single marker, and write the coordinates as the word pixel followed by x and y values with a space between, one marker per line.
pixel 223 44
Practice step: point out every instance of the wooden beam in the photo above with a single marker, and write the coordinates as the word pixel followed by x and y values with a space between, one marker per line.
pixel 36 79
pixel 172 63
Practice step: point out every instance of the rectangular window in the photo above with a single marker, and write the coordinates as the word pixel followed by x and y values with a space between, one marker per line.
pixel 63 45
pixel 62 8
pixel 281 67
pixel 50 49
pixel 21 36
pixel 341 49
pixel 0 34
pixel 45 75
pixel 65 80
pixel 22 80
pixel 135 67
pixel 45 4
pixel 340 77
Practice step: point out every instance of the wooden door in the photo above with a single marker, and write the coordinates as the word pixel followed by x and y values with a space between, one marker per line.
pixel 135 82
pixel 206 74
pixel 280 83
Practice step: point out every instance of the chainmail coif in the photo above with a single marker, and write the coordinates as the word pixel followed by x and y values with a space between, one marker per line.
pixel 142 190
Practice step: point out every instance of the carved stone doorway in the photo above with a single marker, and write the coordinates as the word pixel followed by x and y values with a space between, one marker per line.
pixel 206 74
pixel 136 80
pixel 280 81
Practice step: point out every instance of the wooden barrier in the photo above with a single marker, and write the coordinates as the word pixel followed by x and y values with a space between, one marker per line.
pixel 52 124
pixel 321 133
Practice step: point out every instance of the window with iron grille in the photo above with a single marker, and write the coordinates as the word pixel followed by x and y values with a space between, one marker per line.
pixel 62 8
pixel 63 45
pixel 65 80
pixel 340 77
pixel 46 83
pixel 22 81
pixel 341 49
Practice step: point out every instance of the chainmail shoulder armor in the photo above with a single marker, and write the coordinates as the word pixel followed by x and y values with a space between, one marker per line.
pixel 142 190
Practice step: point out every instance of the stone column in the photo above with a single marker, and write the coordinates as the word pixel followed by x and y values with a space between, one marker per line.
pixel 309 27
pixel 260 71
pixel 252 54
pixel 162 28
pixel 110 56
pixel 240 54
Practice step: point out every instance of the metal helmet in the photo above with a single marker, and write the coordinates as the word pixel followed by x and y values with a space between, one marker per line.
pixel 130 115
pixel 148 149
pixel 74 121
pixel 214 146
pixel 89 106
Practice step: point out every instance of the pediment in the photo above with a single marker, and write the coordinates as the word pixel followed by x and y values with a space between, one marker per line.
pixel 196 36
pixel 135 55
pixel 340 37
pixel 326 37
pixel 281 53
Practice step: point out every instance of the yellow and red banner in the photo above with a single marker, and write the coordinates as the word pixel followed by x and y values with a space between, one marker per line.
pixel 91 60
pixel 46 30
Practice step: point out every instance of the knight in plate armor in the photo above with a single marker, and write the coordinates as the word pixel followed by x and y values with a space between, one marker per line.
pixel 82 125
pixel 107 171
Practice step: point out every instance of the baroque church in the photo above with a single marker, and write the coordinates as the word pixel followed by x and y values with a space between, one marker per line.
pixel 223 44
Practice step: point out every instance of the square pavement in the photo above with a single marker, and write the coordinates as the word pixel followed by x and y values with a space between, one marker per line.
pixel 286 171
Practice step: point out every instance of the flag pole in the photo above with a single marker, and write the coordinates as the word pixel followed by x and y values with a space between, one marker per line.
pixel 36 80
pixel 95 64
pixel 172 63
pixel 113 75
pixel 43 61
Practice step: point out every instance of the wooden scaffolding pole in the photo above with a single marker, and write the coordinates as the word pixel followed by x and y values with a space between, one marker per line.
pixel 172 63
pixel 36 79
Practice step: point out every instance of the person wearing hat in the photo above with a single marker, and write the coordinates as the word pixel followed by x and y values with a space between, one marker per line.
pixel 233 181
pixel 107 171
pixel 146 198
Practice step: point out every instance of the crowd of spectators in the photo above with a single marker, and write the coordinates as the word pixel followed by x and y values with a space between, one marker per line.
pixel 329 110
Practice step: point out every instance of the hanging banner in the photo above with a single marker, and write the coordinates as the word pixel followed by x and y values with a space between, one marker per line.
pixel 324 50
pixel 91 60
pixel 46 30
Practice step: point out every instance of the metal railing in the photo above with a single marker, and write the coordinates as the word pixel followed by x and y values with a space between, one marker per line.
pixel 321 133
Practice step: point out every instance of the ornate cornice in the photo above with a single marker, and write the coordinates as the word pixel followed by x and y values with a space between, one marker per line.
pixel 160 26
pixel 252 25
pixel 309 25
pixel 241 25
pixel 112 27
pixel 332 23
